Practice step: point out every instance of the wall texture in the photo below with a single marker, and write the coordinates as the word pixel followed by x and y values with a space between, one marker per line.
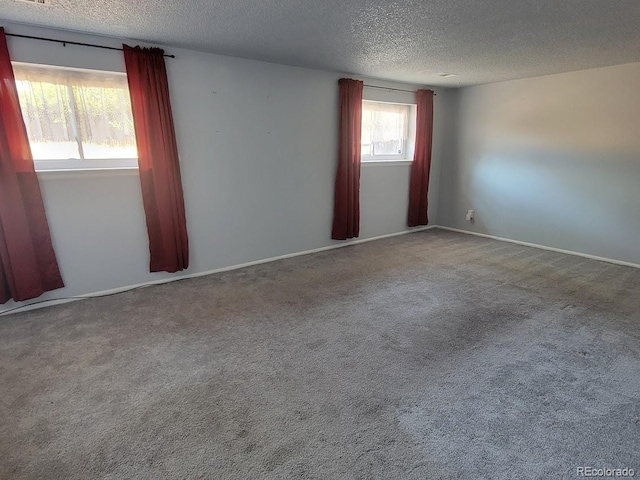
pixel 257 144
pixel 552 160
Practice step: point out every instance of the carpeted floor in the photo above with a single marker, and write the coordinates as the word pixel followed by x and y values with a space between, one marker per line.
pixel 433 355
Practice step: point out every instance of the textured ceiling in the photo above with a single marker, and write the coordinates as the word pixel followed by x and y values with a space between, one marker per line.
pixel 405 40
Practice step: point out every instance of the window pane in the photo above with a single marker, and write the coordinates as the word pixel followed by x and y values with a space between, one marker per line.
pixel 105 121
pixel 366 138
pixel 384 129
pixel 76 114
pixel 45 109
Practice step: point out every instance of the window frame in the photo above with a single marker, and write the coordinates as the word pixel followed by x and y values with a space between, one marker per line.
pixel 82 163
pixel 408 142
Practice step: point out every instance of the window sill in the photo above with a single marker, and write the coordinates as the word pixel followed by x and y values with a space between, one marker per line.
pixel 386 163
pixel 86 172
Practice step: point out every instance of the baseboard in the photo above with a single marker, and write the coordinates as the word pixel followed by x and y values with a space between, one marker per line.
pixel 58 301
pixel 542 247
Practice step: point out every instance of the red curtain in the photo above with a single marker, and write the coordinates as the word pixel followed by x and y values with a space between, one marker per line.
pixel 158 159
pixel 419 185
pixel 28 265
pixel 346 210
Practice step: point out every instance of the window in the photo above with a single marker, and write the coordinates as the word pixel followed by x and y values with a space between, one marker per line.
pixel 385 131
pixel 76 119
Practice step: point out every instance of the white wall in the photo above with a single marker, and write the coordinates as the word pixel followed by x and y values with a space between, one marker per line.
pixel 552 160
pixel 257 145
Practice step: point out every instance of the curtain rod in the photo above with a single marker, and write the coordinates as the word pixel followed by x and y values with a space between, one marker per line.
pixel 65 42
pixel 394 89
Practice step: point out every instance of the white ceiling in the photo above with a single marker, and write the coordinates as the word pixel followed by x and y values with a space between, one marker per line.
pixel 404 40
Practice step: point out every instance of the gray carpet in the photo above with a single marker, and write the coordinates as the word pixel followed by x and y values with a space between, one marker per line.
pixel 433 355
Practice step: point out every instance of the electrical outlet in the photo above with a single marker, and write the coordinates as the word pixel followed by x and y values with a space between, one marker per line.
pixel 470 215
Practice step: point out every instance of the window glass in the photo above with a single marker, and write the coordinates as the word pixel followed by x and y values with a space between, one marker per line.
pixel 384 130
pixel 76 118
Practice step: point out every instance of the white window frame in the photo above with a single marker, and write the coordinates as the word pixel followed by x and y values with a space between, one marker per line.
pixel 81 164
pixel 408 142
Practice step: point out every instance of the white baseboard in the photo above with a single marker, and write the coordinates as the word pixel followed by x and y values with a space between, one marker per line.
pixel 542 247
pixel 57 301
pixel 47 303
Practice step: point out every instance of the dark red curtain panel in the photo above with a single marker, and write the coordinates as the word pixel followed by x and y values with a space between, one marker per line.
pixel 421 166
pixel 158 159
pixel 28 265
pixel 346 210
